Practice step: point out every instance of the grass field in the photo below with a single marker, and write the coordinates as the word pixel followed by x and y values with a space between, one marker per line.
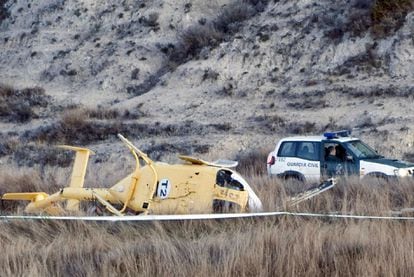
pixel 282 246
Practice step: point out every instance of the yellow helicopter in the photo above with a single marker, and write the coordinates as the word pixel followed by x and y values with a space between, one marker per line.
pixel 195 187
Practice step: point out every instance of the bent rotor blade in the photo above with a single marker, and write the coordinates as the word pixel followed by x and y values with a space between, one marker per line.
pixel 311 192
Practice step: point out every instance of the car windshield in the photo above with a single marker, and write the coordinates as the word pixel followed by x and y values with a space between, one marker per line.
pixel 361 150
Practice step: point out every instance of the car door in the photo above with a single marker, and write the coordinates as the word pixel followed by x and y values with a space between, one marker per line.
pixel 336 161
pixel 308 154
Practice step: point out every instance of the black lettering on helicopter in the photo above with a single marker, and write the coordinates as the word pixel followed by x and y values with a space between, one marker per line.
pixel 164 187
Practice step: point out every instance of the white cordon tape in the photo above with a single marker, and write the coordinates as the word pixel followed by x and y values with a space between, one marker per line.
pixel 149 218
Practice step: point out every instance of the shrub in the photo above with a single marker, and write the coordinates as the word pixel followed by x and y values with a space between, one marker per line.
pixel 194 39
pixel 388 16
pixel 78 128
pixel 230 17
pixel 267 124
pixel 157 151
pixel 302 128
pixel 4 12
pixel 150 21
pixel 31 155
pixel 253 162
pixel 17 105
pixel 409 156
pixel 306 103
pixel 382 17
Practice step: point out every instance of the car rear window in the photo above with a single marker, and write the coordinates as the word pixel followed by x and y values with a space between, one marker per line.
pixel 300 149
pixel 287 149
pixel 308 151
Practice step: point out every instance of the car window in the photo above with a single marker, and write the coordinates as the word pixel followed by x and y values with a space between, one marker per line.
pixel 287 149
pixel 308 151
pixel 361 150
pixel 335 152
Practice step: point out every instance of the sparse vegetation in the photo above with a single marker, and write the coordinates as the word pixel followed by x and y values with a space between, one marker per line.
pixel 18 105
pixel 409 156
pixel 388 16
pixel 281 245
pixel 269 51
pixel 150 21
pixel 381 17
pixel 78 128
pixel 4 13
pixel 383 92
pixel 156 152
pixel 252 162
pixel 31 155
pixel 194 39
pixel 302 128
pixel 305 103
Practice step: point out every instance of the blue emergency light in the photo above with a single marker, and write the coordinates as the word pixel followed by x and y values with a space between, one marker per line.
pixel 342 133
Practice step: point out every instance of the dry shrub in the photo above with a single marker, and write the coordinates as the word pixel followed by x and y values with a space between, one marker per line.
pixel 231 15
pixel 382 17
pixel 253 162
pixel 409 156
pixel 380 92
pixel 306 127
pixel 7 146
pixel 151 20
pixel 76 127
pixel 389 16
pixel 4 13
pixel 17 105
pixel 41 155
pixel 305 104
pixel 267 123
pixel 156 152
pixel 194 39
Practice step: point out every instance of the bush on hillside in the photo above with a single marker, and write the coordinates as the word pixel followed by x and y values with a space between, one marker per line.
pixel 17 105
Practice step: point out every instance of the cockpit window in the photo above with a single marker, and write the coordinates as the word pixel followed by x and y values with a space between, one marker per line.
pixel 225 179
pixel 361 150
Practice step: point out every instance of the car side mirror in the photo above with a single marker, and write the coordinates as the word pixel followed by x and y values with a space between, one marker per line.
pixel 349 158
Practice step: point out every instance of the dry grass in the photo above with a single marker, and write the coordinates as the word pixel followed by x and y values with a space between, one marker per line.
pixel 284 246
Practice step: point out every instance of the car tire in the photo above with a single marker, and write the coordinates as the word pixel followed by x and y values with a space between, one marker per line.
pixel 376 178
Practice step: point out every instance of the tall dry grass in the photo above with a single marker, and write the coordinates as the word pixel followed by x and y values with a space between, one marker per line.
pixel 282 246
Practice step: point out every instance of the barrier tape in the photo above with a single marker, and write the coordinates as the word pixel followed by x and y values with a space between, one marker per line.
pixel 148 218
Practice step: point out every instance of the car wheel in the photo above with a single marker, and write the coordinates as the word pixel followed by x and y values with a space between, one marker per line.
pixel 376 179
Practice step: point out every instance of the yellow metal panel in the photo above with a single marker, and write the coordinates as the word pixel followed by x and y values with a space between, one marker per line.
pixel 25 196
pixel 41 205
pixel 78 172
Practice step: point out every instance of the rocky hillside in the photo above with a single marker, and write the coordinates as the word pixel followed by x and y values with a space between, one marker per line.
pixel 202 77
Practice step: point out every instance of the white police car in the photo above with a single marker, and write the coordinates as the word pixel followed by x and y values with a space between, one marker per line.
pixel 317 158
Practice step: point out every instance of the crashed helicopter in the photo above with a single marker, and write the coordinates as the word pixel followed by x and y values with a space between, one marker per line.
pixel 152 188
pixel 156 188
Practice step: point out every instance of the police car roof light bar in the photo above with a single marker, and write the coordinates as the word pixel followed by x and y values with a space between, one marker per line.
pixel 342 133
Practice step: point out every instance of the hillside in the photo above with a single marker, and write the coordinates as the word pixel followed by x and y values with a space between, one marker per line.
pixel 214 79
pixel 206 77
